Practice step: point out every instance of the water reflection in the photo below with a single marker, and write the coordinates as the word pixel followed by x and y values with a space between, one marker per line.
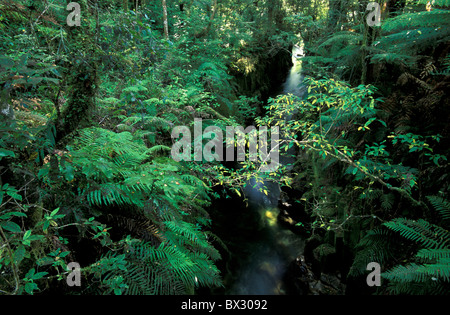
pixel 270 255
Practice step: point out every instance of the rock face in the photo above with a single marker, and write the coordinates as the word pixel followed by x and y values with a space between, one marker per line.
pixel 301 280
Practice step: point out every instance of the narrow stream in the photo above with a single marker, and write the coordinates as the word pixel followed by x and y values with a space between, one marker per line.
pixel 263 247
pixel 270 254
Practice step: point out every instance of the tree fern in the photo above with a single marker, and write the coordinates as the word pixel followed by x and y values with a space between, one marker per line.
pixel 421 232
pixel 172 254
pixel 165 270
pixel 393 59
pixel 410 33
pixel 432 262
pixel 420 273
pixel 342 38
pixel 417 20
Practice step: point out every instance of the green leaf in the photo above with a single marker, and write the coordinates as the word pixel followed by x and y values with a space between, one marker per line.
pixel 8 215
pixel 30 273
pixel 36 237
pixel 6 62
pixel 54 212
pixel 4 152
pixel 30 287
pixel 64 254
pixel 11 226
pixel 43 172
pixel 13 193
pixel 35 80
pixel 39 275
pixel 69 172
pixel 46 225
pixel 19 254
pixel 27 234
pixel 382 122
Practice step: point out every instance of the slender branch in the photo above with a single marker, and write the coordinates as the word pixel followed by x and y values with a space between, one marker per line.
pixel 344 158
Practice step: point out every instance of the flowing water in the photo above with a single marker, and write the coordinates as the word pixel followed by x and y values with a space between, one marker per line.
pixel 267 248
pixel 294 79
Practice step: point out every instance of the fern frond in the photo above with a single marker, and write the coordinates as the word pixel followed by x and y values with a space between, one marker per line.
pixel 342 38
pixel 441 205
pixel 417 20
pixel 387 201
pixel 419 273
pixel 393 59
pixel 420 231
pixel 158 149
pixel 374 246
pixel 434 254
pixel 414 39
pixel 429 287
pixel 409 273
pixel 149 121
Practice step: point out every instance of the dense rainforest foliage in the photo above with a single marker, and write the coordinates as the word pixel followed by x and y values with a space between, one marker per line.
pixel 89 102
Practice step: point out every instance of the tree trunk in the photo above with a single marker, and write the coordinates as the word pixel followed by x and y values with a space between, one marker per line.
pixel 334 13
pixel 207 28
pixel 370 33
pixel 165 21
pixel 274 16
pixel 81 78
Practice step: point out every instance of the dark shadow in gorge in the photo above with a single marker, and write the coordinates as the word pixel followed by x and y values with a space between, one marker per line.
pixel 260 249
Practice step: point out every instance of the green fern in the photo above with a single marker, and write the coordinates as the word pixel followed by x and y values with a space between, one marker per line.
pixel 433 254
pixel 174 255
pixel 441 3
pixel 119 170
pixel 393 59
pixel 342 38
pixel 387 201
pixel 420 273
pixel 442 206
pixel 417 20
pixel 421 232
pixel 165 270
pixel 431 268
pixel 376 246
pixel 158 149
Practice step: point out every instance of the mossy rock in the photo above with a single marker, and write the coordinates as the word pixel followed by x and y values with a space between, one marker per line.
pixel 31 119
